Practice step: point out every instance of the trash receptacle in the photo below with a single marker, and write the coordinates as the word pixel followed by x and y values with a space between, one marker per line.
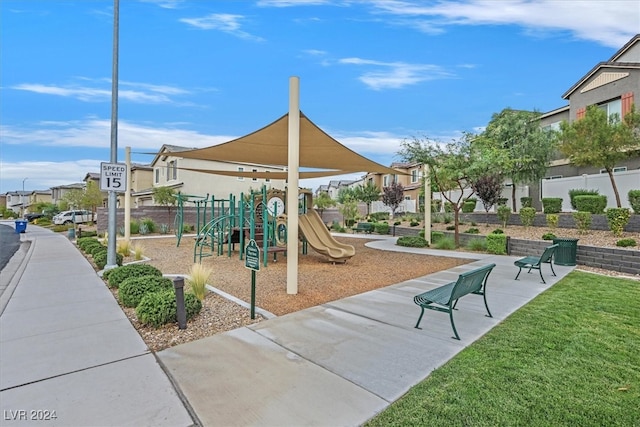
pixel 71 233
pixel 21 226
pixel 566 251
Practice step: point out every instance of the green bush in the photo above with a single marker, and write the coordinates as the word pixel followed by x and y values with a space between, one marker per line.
pixel 445 243
pixel 526 202
pixel 497 231
pixel 94 250
pixel 131 290
pixel 379 216
pixel 414 223
pixel 397 223
pixel 436 218
pixel 634 200
pixel 448 207
pixel 552 205
pixel 412 242
pixel 527 216
pixel 143 229
pixel 477 245
pixel 436 205
pixel 100 259
pixel 164 228
pixel 450 227
pixel 618 219
pixel 421 233
pixel 590 203
pixel 504 212
pixel 88 243
pixel 623 243
pixel 436 235
pixel 552 220
pixel 549 236
pixel 150 223
pixel 469 206
pixel 583 220
pixel 580 192
pixel 502 201
pixel 381 228
pixel 159 308
pixel 134 227
pixel 497 244
pixel 83 234
pixel 447 218
pixel 118 275
pixel 472 231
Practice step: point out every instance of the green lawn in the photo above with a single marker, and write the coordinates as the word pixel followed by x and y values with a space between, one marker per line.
pixel 570 357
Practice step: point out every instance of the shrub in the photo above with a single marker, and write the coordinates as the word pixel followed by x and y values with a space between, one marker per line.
pixel 623 243
pixel 414 223
pixel 381 228
pixel 159 308
pixel 101 259
pixel 164 228
pixel 634 200
pixel 90 233
pixel 397 222
pixel 412 242
pixel 150 223
pixel 94 250
pixel 379 216
pixel 583 220
pixel 552 220
pixel 526 202
pixel 617 219
pixel 134 227
pixel 502 201
pixel 579 192
pixel 504 212
pixel 497 244
pixel 436 205
pixel 436 235
pixel 436 218
pixel 198 277
pixel 472 231
pixel 451 227
pixel 593 204
pixel 448 207
pixel 552 205
pixel 445 243
pixel 124 248
pixel 143 229
pixel 421 233
pixel 138 251
pixel 447 218
pixel 118 275
pixel 477 245
pixel 527 216
pixel 497 231
pixel 469 206
pixel 131 290
pixel 549 236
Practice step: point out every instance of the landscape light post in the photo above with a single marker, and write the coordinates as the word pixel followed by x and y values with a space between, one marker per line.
pixel 22 199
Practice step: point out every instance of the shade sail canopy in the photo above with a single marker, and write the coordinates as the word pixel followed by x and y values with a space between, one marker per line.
pixel 268 175
pixel 269 146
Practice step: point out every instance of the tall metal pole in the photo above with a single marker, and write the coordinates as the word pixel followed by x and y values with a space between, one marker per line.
pixel 22 198
pixel 292 185
pixel 113 196
pixel 127 196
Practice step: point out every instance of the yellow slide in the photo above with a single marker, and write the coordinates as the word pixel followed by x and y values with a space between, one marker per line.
pixel 321 240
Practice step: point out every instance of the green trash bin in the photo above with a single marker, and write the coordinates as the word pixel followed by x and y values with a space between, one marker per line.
pixel 566 251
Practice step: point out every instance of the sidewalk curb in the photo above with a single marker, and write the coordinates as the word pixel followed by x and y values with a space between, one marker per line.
pixel 13 271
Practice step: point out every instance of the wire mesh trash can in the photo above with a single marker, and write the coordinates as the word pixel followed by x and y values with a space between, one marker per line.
pixel 566 251
pixel 21 226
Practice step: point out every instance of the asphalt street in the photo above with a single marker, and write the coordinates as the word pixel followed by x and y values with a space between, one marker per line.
pixel 9 242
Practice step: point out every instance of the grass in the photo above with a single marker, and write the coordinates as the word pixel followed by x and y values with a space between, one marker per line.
pixel 198 277
pixel 571 357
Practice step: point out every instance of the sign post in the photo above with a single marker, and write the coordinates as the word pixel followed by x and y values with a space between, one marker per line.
pixel 252 262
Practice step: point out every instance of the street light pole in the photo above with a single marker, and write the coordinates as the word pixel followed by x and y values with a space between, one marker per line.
pixel 22 199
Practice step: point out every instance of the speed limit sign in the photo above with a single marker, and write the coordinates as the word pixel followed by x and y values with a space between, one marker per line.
pixel 113 177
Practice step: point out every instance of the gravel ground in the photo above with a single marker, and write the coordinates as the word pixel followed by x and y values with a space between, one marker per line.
pixel 320 281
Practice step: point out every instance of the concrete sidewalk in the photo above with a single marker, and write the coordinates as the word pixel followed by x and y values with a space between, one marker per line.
pixel 66 346
pixel 68 351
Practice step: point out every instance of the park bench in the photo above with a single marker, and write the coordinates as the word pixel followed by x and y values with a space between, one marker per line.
pixel 445 298
pixel 365 227
pixel 535 262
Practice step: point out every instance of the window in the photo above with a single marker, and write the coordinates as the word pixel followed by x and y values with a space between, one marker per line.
pixel 414 176
pixel 157 175
pixel 551 126
pixel 254 179
pixel 385 181
pixel 554 177
pixel 618 169
pixel 613 109
pixel 267 179
pixel 240 169
pixel 172 170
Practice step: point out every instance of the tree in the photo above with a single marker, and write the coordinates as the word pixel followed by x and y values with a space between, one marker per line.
pixel 518 146
pixel 601 141
pixel 488 188
pixel 392 196
pixel 452 166
pixel 323 201
pixel 348 205
pixel 367 193
pixel 73 198
pixel 164 196
pixel 345 194
pixel 92 197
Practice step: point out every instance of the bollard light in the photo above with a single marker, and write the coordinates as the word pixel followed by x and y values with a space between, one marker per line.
pixel 178 284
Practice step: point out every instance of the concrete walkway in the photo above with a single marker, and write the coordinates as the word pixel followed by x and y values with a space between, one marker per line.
pixel 66 346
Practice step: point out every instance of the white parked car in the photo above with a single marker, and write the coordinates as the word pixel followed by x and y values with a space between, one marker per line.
pixel 69 217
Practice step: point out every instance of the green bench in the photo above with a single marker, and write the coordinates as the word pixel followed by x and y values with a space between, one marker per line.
pixel 535 262
pixel 365 227
pixel 445 298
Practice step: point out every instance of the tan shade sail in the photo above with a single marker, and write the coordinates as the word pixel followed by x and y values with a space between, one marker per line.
pixel 269 145
pixel 268 175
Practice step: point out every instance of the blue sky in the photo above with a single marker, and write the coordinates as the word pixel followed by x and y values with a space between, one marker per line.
pixel 197 73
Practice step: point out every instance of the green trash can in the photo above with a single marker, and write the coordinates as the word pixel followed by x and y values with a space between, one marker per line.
pixel 566 251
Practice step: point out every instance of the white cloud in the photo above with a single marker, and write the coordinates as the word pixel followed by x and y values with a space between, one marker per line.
pixel 395 75
pixel 611 23
pixel 44 175
pixel 166 4
pixel 225 22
